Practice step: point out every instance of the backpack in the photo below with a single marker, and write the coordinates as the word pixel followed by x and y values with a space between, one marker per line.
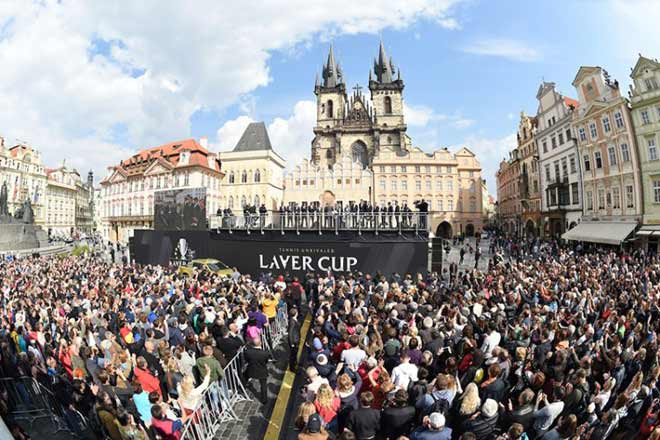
pixel 439 405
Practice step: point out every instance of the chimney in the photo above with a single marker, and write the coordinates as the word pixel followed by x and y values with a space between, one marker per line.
pixel 204 142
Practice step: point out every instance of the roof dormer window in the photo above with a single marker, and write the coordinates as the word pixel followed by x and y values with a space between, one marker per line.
pixel 184 158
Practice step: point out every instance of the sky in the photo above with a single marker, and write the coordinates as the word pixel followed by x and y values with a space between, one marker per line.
pixel 93 82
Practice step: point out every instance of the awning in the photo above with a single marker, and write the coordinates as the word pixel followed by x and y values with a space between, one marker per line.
pixel 600 232
pixel 648 230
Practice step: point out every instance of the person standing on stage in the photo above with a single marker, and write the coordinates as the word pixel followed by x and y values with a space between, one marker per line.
pixel 423 209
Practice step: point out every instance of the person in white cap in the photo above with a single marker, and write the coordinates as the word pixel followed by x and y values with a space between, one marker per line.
pixel 433 428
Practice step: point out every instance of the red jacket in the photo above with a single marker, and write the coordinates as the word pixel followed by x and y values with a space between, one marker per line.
pixel 148 381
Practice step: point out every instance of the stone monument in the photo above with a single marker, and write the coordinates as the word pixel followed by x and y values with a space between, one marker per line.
pixel 18 232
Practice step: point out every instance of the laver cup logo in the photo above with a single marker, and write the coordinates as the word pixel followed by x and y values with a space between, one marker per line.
pixel 307 263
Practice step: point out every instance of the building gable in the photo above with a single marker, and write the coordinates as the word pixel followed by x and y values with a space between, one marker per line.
pixel 642 64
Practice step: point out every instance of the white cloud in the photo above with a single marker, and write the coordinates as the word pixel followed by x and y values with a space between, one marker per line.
pixel 504 48
pixel 291 137
pixel 231 131
pixel 420 115
pixel 68 100
pixel 463 122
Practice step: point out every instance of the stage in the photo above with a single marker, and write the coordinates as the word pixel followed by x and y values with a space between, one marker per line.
pixel 295 252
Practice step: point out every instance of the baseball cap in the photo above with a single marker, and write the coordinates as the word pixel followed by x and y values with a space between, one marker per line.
pixel 314 423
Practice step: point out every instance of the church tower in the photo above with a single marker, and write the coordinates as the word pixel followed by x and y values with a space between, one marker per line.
pixel 386 88
pixel 330 112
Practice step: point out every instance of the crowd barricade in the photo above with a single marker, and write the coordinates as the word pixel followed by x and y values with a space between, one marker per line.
pixel 28 400
pixel 218 402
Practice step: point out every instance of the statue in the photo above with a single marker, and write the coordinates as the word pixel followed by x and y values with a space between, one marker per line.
pixel 25 213
pixel 4 197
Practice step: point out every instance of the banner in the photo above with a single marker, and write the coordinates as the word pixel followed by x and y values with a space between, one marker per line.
pixel 289 254
pixel 180 209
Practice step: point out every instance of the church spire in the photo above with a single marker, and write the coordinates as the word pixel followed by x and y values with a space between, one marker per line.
pixel 383 67
pixel 331 71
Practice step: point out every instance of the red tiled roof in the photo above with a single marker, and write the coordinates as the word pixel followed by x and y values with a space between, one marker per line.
pixel 570 101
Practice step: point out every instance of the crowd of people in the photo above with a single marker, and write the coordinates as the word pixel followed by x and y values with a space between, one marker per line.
pixel 362 215
pixel 548 342
pixel 128 351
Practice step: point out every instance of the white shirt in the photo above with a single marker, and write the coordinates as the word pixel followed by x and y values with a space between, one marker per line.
pixel 403 374
pixel 490 342
pixel 353 356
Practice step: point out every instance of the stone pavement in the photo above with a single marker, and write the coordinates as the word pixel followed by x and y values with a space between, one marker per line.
pixel 468 260
pixel 253 416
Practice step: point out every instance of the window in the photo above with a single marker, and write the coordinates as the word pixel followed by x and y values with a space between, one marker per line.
pixel 382 169
pixel 557 174
pixel 427 168
pixel 418 185
pixel 548 177
pixel 440 205
pixel 418 169
pixel 393 169
pixel 593 131
pixel 393 185
pixel 645 117
pixel 630 193
pixel 449 170
pixel 653 150
pixel 609 199
pixel 428 185
pixel 257 176
pixel 554 142
pixel 606 124
pixel 616 198
pixel 561 138
pixel 590 201
pixel 568 135
pixel 583 134
pixel 438 185
pixel 244 177
pixel 382 184
pixel 186 178
pixel 656 191
pixel 450 185
pixel 564 167
pixel 450 204
pixel 403 168
pixel 553 197
pixel 650 84
pixel 471 174
pixel 545 147
pixel 473 206
pixel 611 152
pixel 575 196
pixel 618 119
pixel 571 161
pixel 601 199
pixel 404 184
pixel 329 108
pixel 625 153
pixel 388 105
pixel 598 159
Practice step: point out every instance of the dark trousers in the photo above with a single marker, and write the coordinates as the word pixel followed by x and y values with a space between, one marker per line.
pixel 293 357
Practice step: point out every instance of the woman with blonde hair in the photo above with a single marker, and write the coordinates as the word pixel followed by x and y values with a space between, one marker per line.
pixel 304 411
pixel 470 402
pixel 327 404
pixel 189 396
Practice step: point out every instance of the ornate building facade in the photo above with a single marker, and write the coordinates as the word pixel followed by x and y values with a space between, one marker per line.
pixel 559 167
pixel 69 202
pixel 254 172
pixel 361 151
pixel 645 102
pixel 509 207
pixel 530 196
pixel 128 189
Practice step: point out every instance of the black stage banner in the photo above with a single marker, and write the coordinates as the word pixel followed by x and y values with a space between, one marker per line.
pixel 291 253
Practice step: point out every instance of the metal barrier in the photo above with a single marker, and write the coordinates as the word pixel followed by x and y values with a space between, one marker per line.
pixel 219 400
pixel 28 400
pixel 334 221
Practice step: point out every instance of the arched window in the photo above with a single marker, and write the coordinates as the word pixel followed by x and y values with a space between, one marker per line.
pixel 244 177
pixel 329 108
pixel 232 177
pixel 388 105
pixel 230 203
pixel 256 201
pixel 243 201
pixel 329 154
pixel 257 176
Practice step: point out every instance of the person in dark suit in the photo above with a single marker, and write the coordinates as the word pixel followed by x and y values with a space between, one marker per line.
pixel 257 367
pixel 229 343
pixel 293 336
pixel 398 419
pixel 364 422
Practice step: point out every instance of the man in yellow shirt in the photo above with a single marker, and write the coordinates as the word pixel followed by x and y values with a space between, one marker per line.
pixel 269 306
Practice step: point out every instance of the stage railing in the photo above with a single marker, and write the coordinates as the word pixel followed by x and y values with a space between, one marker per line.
pixel 218 403
pixel 322 221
